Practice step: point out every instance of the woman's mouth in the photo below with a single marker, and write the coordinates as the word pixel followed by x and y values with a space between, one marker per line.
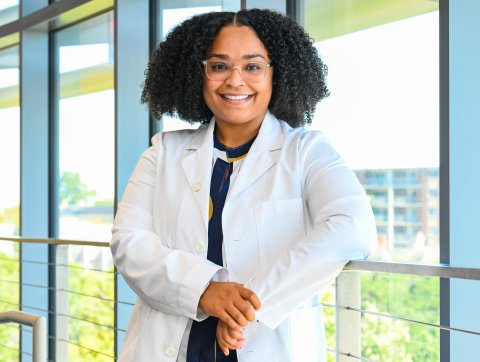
pixel 237 98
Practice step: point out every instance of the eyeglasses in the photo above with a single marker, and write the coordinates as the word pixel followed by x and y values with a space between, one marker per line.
pixel 250 71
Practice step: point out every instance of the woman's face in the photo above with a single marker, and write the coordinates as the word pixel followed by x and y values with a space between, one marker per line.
pixel 238 104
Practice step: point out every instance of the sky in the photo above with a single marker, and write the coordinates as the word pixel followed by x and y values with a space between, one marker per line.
pixel 382 112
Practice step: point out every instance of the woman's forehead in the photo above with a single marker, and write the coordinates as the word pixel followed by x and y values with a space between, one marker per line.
pixel 238 42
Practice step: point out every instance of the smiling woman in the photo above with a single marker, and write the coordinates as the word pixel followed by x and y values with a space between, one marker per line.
pixel 239 106
pixel 250 216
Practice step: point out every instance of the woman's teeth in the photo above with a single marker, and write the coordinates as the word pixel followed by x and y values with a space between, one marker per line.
pixel 237 98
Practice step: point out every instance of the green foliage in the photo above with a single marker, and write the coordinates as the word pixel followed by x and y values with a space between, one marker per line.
pixel 328 297
pixel 9 296
pixel 108 202
pixel 415 298
pixel 73 190
pixel 386 339
pixel 87 309
pixel 11 215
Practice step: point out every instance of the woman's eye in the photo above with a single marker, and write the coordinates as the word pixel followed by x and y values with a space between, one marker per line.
pixel 219 67
pixel 252 67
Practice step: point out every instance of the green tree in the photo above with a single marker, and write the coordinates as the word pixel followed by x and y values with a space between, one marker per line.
pixel 411 297
pixel 387 339
pixel 92 325
pixel 73 190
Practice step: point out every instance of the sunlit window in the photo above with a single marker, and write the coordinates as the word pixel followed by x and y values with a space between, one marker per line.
pixel 9 142
pixel 86 129
pixel 382 116
pixel 9 197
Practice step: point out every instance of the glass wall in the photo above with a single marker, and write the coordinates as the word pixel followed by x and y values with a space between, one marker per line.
pixel 9 10
pixel 9 142
pixel 9 196
pixel 86 109
pixel 383 112
pixel 86 161
pixel 383 118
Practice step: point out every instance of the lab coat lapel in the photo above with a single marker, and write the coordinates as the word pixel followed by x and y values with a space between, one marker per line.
pixel 259 159
pixel 197 165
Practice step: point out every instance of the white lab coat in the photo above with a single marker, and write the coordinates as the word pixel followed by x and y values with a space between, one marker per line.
pixel 294 216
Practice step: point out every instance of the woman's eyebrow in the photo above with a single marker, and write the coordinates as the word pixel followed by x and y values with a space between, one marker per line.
pixel 221 56
pixel 251 56
pixel 246 56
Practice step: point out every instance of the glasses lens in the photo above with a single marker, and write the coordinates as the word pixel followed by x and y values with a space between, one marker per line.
pixel 220 70
pixel 253 72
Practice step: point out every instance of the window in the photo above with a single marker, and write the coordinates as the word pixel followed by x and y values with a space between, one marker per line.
pixel 86 106
pixel 382 116
pixel 8 11
pixel 9 195
pixel 384 65
pixel 9 142
pixel 86 131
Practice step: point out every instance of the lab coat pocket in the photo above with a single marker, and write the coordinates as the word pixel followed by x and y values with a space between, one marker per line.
pixel 280 225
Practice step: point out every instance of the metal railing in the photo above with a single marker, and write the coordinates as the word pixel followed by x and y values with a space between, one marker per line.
pixel 348 309
pixel 347 305
pixel 39 327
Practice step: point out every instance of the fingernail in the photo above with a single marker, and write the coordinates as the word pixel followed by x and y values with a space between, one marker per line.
pixel 225 352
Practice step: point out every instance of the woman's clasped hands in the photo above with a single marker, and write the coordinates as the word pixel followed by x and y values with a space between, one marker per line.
pixel 234 306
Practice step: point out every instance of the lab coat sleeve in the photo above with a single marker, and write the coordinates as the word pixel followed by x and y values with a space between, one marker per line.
pixel 343 230
pixel 171 281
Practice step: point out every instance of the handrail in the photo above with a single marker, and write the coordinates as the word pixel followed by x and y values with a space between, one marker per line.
pixel 434 270
pixel 18 239
pixel 348 283
pixel 39 326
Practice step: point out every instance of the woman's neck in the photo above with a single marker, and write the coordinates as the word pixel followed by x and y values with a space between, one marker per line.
pixel 234 136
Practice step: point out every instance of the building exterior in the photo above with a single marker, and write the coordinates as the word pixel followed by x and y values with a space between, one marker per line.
pixel 406 207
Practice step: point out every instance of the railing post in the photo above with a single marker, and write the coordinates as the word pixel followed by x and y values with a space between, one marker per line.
pixel 62 302
pixel 348 322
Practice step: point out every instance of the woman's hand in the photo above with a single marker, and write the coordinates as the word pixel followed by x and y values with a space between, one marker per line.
pixel 228 338
pixel 231 303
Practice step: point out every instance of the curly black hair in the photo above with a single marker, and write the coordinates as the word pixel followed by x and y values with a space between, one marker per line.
pixel 174 76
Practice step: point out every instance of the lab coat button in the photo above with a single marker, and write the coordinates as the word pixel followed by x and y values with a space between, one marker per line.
pixel 170 352
pixel 200 247
pixel 197 186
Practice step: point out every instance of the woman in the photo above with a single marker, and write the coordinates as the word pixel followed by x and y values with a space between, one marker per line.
pixel 225 231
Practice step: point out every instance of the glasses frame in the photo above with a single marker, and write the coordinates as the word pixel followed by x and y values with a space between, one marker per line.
pixel 205 62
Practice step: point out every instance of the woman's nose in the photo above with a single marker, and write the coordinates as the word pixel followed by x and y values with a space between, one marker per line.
pixel 235 78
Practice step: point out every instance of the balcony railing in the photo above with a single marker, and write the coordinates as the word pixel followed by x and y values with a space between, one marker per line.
pixel 82 316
